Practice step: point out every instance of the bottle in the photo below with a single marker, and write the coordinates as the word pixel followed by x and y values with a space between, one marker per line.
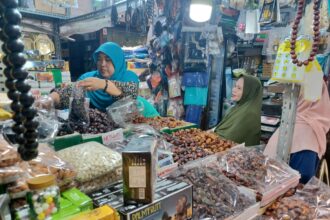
pixel 43 197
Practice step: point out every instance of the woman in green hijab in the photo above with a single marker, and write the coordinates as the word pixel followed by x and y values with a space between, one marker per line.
pixel 243 122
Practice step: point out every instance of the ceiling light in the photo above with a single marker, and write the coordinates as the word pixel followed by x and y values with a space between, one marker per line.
pixel 200 10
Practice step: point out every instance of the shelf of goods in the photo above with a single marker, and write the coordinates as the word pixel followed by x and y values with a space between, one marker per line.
pixel 216 179
pixel 47 75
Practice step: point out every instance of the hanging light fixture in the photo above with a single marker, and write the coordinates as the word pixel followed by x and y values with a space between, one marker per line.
pixel 200 10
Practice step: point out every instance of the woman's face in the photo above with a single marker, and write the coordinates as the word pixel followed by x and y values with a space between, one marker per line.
pixel 238 90
pixel 105 65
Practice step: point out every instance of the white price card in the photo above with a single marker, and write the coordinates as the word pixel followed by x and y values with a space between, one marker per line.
pixel 113 136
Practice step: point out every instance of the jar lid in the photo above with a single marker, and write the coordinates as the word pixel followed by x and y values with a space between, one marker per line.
pixel 41 182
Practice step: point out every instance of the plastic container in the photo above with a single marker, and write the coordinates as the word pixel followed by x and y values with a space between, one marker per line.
pixel 44 196
pixel 195 79
pixel 194 114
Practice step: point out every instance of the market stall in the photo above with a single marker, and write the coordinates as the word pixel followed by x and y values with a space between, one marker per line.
pixel 85 163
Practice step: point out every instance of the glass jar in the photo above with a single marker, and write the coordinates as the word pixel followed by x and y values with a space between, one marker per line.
pixel 43 197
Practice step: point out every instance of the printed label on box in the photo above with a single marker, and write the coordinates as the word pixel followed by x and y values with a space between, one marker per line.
pixel 137 177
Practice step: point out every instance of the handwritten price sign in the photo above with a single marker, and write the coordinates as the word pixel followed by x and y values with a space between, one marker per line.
pixel 113 136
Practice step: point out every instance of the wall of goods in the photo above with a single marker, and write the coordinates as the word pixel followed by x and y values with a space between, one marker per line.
pixel 120 165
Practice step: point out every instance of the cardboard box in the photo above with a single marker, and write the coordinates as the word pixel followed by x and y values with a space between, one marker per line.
pixel 102 213
pixel 79 199
pixel 170 197
pixel 139 170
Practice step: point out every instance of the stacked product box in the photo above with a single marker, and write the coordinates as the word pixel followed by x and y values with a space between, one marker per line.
pixel 172 199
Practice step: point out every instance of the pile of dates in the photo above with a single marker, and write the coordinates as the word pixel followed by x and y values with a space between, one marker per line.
pixel 246 163
pixel 210 142
pixel 290 208
pixel 214 196
pixel 159 123
pixel 99 123
pixel 184 150
pixel 252 166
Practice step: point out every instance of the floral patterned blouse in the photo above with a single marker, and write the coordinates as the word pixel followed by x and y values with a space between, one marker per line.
pixel 127 88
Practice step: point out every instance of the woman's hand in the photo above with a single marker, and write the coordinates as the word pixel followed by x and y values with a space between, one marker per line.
pixel 92 84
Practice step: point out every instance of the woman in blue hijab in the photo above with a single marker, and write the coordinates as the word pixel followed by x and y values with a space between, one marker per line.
pixel 109 83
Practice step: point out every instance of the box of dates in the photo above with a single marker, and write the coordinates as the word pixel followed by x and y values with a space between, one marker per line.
pixel 173 200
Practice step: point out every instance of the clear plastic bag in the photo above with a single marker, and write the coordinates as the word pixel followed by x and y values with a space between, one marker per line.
pixel 10 174
pixel 291 208
pixel 91 160
pixel 18 189
pixel 48 162
pixel 8 154
pixel 124 111
pixel 102 181
pixel 79 108
pixel 317 195
pixel 257 170
pixel 214 195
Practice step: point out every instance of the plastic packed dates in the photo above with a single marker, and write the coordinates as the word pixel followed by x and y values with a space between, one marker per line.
pixel 91 160
pixel 123 111
pixel 257 170
pixel 8 154
pixel 317 195
pixel 291 208
pixel 79 108
pixel 10 174
pixel 214 195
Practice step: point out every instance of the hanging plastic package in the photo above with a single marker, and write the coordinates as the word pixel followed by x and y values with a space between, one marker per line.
pixel 253 26
pixel 174 87
pixel 284 70
pixel 241 27
pixel 313 82
pixel 79 108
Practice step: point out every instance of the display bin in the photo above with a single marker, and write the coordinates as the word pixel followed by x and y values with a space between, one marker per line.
pixel 195 79
pixel 66 141
pixel 172 130
pixel 248 214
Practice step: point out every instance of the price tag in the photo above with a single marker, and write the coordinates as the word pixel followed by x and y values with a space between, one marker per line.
pixel 113 136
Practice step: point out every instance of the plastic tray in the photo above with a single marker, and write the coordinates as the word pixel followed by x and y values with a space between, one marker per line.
pixel 172 130
pixel 66 141
pixel 248 214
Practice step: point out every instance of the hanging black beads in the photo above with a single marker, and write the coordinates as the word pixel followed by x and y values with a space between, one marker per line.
pixel 25 127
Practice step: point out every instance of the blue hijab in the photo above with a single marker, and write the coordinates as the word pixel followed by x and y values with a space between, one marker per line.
pixel 100 99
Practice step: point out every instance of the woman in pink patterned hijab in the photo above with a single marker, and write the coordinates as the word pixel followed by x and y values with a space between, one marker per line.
pixel 309 138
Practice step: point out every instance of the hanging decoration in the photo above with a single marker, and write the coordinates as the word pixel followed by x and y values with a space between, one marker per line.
pixel 63 3
pixel 294 34
pixel 25 126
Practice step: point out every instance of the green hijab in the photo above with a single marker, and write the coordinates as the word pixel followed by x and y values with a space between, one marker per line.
pixel 243 122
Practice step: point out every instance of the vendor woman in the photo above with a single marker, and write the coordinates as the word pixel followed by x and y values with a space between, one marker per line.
pixel 243 122
pixel 110 82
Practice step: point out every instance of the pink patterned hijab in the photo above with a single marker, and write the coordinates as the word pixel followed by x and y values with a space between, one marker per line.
pixel 312 125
